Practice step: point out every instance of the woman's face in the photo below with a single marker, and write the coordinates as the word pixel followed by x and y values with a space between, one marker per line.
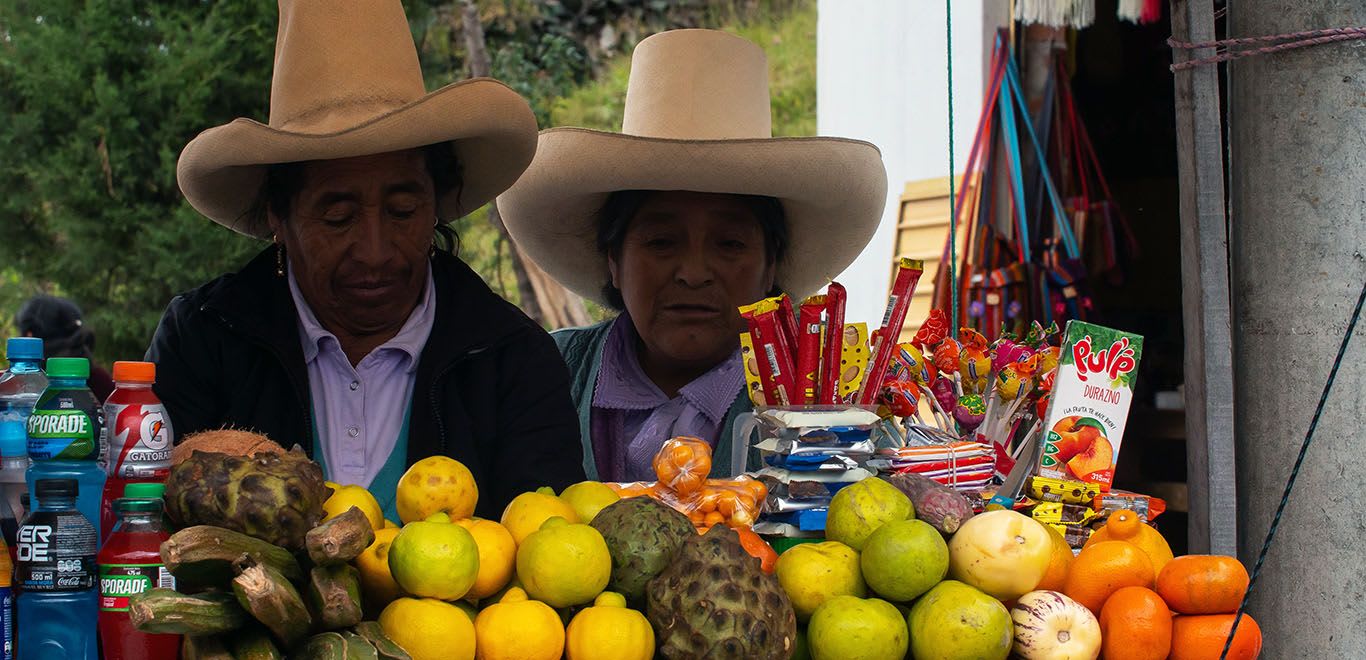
pixel 687 261
pixel 357 238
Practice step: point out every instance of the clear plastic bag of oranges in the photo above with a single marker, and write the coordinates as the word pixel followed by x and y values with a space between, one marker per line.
pixel 633 488
pixel 731 502
pixel 683 464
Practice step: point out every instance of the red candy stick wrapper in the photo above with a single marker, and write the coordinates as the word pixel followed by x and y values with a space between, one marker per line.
pixel 884 344
pixel 809 347
pixel 787 320
pixel 829 390
pixel 774 355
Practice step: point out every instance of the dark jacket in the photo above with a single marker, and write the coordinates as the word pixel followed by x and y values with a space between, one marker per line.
pixel 582 351
pixel 491 389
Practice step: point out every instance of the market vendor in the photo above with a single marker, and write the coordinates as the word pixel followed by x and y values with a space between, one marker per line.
pixel 693 210
pixel 352 334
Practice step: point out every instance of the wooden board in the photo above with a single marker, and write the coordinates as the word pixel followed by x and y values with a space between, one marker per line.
pixel 921 229
pixel 1210 464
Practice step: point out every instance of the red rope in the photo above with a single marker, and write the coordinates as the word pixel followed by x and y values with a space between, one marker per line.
pixel 1291 40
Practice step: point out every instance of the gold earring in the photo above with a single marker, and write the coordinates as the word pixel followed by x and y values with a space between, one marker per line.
pixel 280 259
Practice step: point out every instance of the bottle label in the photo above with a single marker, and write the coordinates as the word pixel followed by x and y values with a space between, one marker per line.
pixel 7 620
pixel 120 582
pixel 139 441
pixel 56 552
pixel 65 425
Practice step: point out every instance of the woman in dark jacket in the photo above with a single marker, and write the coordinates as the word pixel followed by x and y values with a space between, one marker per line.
pixel 354 336
pixel 692 211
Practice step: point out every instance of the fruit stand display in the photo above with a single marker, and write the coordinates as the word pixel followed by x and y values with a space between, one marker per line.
pixel 867 530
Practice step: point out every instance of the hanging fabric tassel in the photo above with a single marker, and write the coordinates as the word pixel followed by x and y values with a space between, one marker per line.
pixel 1056 13
pixel 1143 12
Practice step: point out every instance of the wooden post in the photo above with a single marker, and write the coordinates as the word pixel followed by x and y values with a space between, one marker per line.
pixel 1210 467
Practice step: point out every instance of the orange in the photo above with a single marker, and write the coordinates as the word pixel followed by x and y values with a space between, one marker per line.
pixel 758 548
pixel 1135 625
pixel 1202 637
pixel 1104 568
pixel 1059 564
pixel 1127 526
pixel 1203 584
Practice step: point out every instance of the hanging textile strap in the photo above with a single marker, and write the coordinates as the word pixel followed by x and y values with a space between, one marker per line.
pixel 1295 471
pixel 953 215
pixel 1063 223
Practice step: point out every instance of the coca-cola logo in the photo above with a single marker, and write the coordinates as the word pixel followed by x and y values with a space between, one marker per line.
pixel 1116 360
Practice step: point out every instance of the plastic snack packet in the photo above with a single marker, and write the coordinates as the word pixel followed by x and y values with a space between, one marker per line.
pixel 831 370
pixel 809 330
pixel 907 276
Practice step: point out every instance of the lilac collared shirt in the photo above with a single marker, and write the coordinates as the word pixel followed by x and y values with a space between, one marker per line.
pixel 632 418
pixel 359 410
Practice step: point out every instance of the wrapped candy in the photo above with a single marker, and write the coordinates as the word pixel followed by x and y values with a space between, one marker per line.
pixel 933 331
pixel 902 397
pixel 944 393
pixel 1007 352
pixel 1009 384
pixel 1048 360
pixel 974 367
pixel 969 412
pixel 910 363
pixel 946 356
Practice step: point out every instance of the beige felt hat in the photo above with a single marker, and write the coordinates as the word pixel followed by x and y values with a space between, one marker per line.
pixel 697 118
pixel 347 83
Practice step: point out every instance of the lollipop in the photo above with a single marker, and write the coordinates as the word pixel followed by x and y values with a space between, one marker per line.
pixel 1009 384
pixel 974 366
pixel 933 331
pixel 946 356
pixel 902 398
pixel 972 340
pixel 969 412
pixel 1008 352
pixel 944 393
pixel 913 362
pixel 1048 359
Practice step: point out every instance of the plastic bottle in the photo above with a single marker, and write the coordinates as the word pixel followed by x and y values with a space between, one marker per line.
pixel 6 606
pixel 56 574
pixel 64 434
pixel 138 435
pixel 20 388
pixel 130 563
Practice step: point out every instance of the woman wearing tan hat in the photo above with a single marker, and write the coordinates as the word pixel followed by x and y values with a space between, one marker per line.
pixel 693 210
pixel 352 335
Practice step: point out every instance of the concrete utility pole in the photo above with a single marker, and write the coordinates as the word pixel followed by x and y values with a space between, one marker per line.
pixel 1297 238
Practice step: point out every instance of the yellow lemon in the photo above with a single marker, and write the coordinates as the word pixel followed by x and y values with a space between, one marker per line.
pixel 526 512
pixel 587 498
pixel 438 517
pixel 564 564
pixel 376 583
pixel 515 628
pixel 436 483
pixel 345 497
pixel 497 556
pixel 434 560
pixel 429 629
pixel 609 631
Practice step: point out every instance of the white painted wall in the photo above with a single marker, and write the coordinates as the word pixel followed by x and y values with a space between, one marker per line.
pixel 881 76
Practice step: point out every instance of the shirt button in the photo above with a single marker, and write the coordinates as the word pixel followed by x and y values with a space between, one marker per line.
pixel 355 385
pixel 353 431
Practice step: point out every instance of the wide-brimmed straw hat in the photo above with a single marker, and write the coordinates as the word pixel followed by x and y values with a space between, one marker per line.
pixel 697 118
pixel 347 83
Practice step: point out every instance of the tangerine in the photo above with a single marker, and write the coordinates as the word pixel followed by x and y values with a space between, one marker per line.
pixel 1104 568
pixel 1135 624
pixel 1203 584
pixel 758 548
pixel 1059 564
pixel 1126 525
pixel 1202 637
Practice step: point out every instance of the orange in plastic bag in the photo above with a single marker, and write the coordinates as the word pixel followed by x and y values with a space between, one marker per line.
pixel 633 488
pixel 683 464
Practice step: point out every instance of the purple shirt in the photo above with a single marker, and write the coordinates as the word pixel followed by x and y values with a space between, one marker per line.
pixel 359 410
pixel 632 418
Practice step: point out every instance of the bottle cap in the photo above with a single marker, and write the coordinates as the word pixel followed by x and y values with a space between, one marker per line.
pixel 135 372
pixel 24 348
pixel 148 491
pixel 68 367
pixel 56 488
pixel 13 438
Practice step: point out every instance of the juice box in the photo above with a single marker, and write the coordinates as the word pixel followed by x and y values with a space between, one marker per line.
pixel 1090 402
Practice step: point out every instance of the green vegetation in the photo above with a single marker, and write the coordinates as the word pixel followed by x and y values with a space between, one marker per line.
pixel 99 96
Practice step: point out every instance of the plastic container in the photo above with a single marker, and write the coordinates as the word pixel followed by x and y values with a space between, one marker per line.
pixel 6 604
pixel 129 564
pixel 64 434
pixel 56 574
pixel 20 388
pixel 137 436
